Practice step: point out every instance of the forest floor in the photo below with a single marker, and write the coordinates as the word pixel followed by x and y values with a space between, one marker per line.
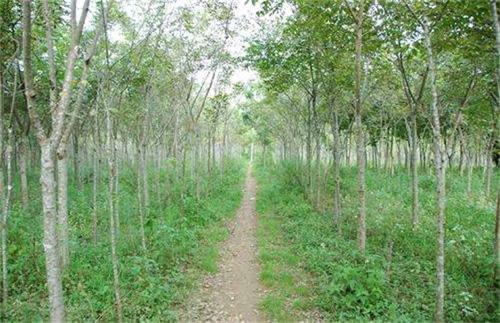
pixel 233 293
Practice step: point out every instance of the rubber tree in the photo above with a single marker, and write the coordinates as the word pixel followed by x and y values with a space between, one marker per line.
pixel 357 13
pixel 49 138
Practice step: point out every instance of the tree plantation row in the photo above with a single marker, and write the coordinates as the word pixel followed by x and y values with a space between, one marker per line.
pixel 126 128
pixel 385 85
pixel 116 130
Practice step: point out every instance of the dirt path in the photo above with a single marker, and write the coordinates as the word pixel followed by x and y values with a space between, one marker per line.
pixel 233 293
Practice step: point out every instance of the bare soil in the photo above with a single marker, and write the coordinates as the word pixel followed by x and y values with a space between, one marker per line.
pixel 233 293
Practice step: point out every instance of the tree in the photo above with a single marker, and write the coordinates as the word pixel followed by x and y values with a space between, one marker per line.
pixel 50 140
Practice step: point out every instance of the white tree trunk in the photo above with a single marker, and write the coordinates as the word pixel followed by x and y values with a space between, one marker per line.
pixel 140 194
pixel 50 238
pixel 113 200
pixel 440 178
pixel 62 206
pixel 95 191
pixel 5 216
pixel 336 173
pixel 360 143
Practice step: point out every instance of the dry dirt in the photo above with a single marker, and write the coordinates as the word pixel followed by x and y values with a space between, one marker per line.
pixel 233 293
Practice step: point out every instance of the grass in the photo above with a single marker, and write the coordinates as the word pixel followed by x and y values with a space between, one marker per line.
pixel 288 295
pixel 307 267
pixel 182 240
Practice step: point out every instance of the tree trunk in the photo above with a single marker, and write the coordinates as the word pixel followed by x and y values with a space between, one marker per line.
pixel 96 179
pixel 50 238
pixel 5 216
pixel 440 178
pixel 116 181
pixel 6 199
pixel 309 150
pixel 360 144
pixel 96 176
pixel 398 147
pixel 76 162
pixel 489 167
pixel 157 161
pixel 318 172
pixel 336 173
pixel 469 174
pixel 62 206
pixel 197 171
pixel 214 155
pixel 495 112
pixel 22 172
pixel 113 201
pixel 407 159
pixel 209 143
pixel 6 161
pixel 414 168
pixel 140 194
pixel 496 25
pixel 3 219
pixel 47 179
pixel 461 164
pixel 145 181
pixel 347 150
pixel 391 155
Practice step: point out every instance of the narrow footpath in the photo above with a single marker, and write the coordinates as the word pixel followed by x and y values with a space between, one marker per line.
pixel 233 293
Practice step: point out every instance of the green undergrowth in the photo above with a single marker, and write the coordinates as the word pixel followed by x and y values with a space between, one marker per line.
pixel 308 267
pixel 182 243
pixel 288 295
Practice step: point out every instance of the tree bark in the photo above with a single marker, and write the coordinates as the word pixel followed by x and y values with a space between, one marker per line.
pixel 360 144
pixel 62 207
pixel 96 179
pixel 318 171
pixel 76 161
pixel 50 237
pixel 5 215
pixel 414 170
pixel 47 179
pixel 414 102
pixel 309 150
pixel 336 172
pixel 469 173
pixel 6 161
pixel 496 25
pixel 3 223
pixel 496 109
pixel 113 201
pixel 440 177
pixel 140 193
pixel 489 166
pixel 96 175
pixel 22 172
